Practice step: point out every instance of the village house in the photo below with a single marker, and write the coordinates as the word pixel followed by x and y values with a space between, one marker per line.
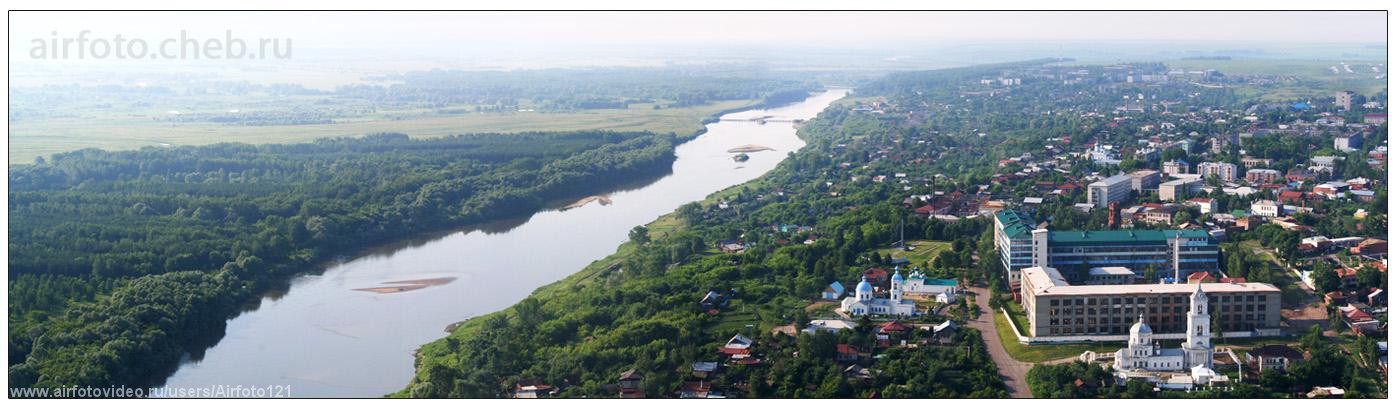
pixel 1370 247
pixel 533 389
pixel 828 326
pixel 695 389
pixel 833 291
pixel 847 353
pixel 1272 357
pixel 629 385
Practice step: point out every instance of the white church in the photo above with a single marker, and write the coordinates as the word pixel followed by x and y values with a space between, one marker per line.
pixel 865 303
pixel 1194 356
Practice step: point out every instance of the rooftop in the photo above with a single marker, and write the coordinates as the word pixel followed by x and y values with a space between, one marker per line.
pixel 1116 179
pixel 1048 281
pixel 1111 271
pixel 1124 236
pixel 1015 223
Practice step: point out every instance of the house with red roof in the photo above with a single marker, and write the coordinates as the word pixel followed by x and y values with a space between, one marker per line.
pixel 847 353
pixel 1370 247
pixel 694 389
pixel 887 333
pixel 1293 197
pixel 1200 277
pixel 877 276
pixel 1360 321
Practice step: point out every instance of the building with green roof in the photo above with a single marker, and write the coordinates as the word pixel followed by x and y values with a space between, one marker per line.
pixel 1151 254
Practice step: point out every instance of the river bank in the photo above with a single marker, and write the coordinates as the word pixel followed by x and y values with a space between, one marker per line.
pixel 302 337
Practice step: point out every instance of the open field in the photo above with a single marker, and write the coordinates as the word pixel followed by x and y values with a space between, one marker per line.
pixel 924 250
pixel 1317 78
pixel 111 131
pixel 1314 76
pixel 1315 69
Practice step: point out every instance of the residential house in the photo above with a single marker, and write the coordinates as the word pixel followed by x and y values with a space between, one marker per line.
pixel 694 389
pixel 1262 175
pixel 828 325
pixel 704 370
pixel 1371 247
pixel 532 389
pixel 833 291
pixel 629 385
pixel 1272 357
pixel 712 302
pixel 847 353
pixel 1266 208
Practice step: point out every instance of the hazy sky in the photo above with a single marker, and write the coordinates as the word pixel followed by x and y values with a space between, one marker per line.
pixel 841 29
pixel 331 48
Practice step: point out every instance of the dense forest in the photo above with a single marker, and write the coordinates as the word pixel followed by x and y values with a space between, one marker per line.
pixel 120 260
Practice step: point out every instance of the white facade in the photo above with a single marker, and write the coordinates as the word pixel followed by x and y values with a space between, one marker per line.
pixel 1175 167
pixel 1176 190
pixel 1111 189
pixel 865 303
pixel 918 283
pixel 1265 208
pixel 1143 354
pixel 1224 171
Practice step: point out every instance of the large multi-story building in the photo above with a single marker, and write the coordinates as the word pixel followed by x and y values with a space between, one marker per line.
pixel 1347 143
pixel 1161 253
pixel 1262 175
pixel 1224 171
pixel 1151 254
pixel 1172 167
pixel 1145 180
pixel 1112 189
pixel 1224 142
pixel 1057 310
pixel 1344 99
pixel 1253 162
pixel 1019 243
pixel 1179 189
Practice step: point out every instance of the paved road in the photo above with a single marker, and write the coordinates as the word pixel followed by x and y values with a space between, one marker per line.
pixel 1012 372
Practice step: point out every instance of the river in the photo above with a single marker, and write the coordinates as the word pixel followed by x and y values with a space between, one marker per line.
pixel 324 338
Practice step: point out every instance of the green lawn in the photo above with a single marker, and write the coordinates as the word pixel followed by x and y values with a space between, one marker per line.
pixel 924 250
pixel 1043 353
pixel 1018 316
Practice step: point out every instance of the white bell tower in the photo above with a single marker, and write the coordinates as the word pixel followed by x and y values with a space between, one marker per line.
pixel 1197 346
pixel 896 287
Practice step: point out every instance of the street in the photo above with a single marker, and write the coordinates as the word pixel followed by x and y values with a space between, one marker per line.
pixel 1012 372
